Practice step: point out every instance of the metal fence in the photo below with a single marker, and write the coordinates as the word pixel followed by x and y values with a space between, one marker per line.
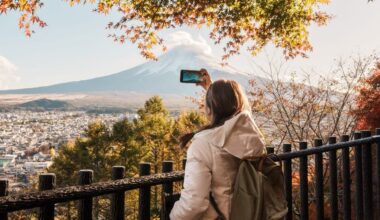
pixel 355 182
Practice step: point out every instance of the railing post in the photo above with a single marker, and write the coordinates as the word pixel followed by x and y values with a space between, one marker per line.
pixel 378 172
pixel 167 167
pixel 367 177
pixel 144 194
pixel 346 179
pixel 288 182
pixel 167 188
pixel 319 181
pixel 304 190
pixel 358 179
pixel 184 163
pixel 47 182
pixel 333 181
pixel 3 192
pixel 183 167
pixel 85 205
pixel 270 150
pixel 117 199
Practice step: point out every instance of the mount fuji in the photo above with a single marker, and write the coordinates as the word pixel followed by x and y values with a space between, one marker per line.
pixel 154 77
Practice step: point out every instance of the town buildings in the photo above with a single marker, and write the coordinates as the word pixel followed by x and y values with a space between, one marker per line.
pixel 27 140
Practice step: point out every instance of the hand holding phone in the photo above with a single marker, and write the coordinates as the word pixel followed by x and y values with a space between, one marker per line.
pixel 199 77
pixel 206 79
pixel 191 76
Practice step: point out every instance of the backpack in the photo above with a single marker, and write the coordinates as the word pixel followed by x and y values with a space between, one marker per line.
pixel 259 192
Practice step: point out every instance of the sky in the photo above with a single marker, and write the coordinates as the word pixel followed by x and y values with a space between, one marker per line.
pixel 75 46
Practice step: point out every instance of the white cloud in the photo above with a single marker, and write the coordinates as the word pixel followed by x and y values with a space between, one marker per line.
pixel 7 73
pixel 182 38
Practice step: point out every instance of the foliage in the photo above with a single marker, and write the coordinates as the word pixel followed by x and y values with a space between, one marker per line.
pixel 95 152
pixel 153 132
pixel 234 24
pixel 128 152
pixel 307 107
pixel 368 101
pixel 28 16
pixel 151 137
pixel 185 123
pixel 28 213
pixel 157 135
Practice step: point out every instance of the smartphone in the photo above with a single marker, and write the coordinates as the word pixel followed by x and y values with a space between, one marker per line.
pixel 190 76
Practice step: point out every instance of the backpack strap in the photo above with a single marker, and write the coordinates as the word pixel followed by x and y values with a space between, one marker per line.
pixel 213 203
pixel 268 156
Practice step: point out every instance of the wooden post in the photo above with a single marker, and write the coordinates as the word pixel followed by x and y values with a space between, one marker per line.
pixel 184 163
pixel 167 190
pixel 270 150
pixel 346 179
pixel 85 205
pixel 47 182
pixel 288 182
pixel 4 192
pixel 333 181
pixel 319 181
pixel 304 189
pixel 367 177
pixel 378 172
pixel 117 199
pixel 358 179
pixel 144 194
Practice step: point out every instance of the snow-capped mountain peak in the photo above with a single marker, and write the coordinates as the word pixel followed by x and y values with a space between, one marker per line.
pixel 158 77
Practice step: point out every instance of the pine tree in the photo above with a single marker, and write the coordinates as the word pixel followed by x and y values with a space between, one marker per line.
pixel 152 137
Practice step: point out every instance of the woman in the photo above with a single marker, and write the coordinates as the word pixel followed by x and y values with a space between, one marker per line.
pixel 215 151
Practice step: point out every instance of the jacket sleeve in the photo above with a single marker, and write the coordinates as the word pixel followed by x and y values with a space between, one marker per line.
pixel 194 199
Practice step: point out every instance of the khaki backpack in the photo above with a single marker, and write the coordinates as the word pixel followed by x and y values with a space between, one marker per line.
pixel 259 192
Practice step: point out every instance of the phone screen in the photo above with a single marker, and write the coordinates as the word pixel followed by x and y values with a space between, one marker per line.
pixel 190 76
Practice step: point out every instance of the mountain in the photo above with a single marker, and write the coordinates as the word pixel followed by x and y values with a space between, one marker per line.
pixel 46 104
pixel 153 77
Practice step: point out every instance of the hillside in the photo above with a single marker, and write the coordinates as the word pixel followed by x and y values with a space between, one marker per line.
pixel 45 104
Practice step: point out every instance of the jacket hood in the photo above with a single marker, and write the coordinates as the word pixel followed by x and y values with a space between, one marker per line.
pixel 238 136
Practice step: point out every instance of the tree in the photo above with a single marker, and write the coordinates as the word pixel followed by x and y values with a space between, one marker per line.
pixel 95 152
pixel 151 137
pixel 252 24
pixel 186 122
pixel 153 130
pixel 124 139
pixel 307 107
pixel 368 101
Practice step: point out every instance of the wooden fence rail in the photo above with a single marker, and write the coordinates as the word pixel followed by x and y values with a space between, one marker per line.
pixel 356 157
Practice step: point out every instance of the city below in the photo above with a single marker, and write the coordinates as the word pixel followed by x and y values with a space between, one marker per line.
pixel 29 140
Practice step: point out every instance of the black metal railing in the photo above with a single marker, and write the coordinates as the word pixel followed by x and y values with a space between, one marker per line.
pixel 348 157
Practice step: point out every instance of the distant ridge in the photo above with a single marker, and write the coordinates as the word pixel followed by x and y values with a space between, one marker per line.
pixel 154 77
pixel 45 104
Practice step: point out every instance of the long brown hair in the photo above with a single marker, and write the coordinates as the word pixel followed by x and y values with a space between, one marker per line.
pixel 225 98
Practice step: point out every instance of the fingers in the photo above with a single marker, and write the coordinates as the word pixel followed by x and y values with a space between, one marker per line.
pixel 206 79
pixel 203 71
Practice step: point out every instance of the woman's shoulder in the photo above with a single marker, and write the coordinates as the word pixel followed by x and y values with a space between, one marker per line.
pixel 200 151
pixel 206 134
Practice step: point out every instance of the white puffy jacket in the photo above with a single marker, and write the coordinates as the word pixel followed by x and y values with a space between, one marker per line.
pixel 212 162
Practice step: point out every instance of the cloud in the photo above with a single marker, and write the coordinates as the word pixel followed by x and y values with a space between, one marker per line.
pixel 182 38
pixel 7 73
